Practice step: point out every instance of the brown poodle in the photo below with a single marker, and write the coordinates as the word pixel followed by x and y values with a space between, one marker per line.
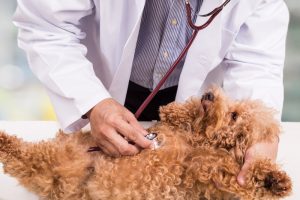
pixel 202 144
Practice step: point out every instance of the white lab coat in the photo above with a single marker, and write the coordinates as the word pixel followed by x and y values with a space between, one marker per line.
pixel 82 51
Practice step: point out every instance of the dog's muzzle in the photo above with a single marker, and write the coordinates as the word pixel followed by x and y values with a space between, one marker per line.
pixel 209 96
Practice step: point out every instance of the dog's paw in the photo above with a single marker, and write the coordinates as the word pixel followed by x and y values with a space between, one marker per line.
pixel 278 183
pixel 270 181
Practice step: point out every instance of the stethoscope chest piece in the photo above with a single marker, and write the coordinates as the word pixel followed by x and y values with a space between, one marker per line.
pixel 153 137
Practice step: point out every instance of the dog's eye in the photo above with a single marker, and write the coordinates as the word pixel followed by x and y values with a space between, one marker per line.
pixel 234 116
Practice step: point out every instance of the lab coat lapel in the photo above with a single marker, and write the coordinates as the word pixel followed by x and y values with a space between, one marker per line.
pixel 119 85
pixel 140 5
pixel 201 55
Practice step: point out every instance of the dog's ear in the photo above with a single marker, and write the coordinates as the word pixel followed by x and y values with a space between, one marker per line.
pixel 181 115
pixel 260 121
pixel 172 111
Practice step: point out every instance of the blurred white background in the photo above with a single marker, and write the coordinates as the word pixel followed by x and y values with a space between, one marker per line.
pixel 23 98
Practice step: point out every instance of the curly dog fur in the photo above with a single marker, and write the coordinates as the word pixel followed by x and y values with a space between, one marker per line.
pixel 203 143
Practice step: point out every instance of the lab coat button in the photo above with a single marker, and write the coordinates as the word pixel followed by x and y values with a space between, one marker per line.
pixel 166 54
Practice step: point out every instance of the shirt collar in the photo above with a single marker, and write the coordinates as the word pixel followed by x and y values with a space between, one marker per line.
pixel 195 6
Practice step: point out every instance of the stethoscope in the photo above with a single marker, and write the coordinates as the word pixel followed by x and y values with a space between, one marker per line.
pixel 211 15
pixel 196 29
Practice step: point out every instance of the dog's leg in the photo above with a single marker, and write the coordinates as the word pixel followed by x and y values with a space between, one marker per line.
pixel 9 148
pixel 208 170
pixel 269 180
pixel 264 180
pixel 216 172
pixel 30 168
pixel 51 170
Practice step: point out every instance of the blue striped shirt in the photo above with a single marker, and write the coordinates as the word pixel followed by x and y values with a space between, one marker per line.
pixel 163 34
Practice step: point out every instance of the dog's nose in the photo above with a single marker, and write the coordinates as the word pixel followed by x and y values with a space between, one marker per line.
pixel 208 96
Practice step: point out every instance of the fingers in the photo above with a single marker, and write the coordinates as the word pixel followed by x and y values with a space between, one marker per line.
pixel 133 122
pixel 135 135
pixel 114 144
pixel 258 150
pixel 121 144
pixel 109 149
pixel 242 175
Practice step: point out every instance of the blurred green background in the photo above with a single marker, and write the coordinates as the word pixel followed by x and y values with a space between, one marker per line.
pixel 23 98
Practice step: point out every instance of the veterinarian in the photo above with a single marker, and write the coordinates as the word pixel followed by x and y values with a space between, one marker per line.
pixel 95 56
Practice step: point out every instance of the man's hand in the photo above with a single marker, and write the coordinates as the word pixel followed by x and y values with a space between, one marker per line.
pixel 259 150
pixel 112 126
